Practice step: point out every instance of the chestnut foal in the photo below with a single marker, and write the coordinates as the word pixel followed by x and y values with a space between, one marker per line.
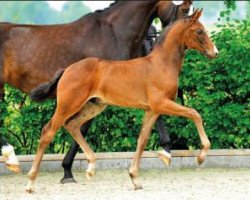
pixel 149 83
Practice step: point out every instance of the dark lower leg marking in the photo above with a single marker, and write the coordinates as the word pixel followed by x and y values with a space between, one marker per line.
pixel 69 158
pixel 165 141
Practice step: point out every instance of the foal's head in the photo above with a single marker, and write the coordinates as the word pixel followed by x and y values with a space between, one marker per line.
pixel 169 11
pixel 196 36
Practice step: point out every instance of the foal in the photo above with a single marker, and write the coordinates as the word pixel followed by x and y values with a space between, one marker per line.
pixel 149 83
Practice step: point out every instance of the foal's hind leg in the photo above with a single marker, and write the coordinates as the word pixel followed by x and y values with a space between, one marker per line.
pixel 73 125
pixel 148 122
pixel 47 135
pixel 63 112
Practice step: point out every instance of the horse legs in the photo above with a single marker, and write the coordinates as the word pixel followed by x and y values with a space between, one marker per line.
pixel 148 122
pixel 69 158
pixel 48 133
pixel 7 150
pixel 165 142
pixel 63 112
pixel 171 108
pixel 73 125
pixel 89 111
pixel 9 156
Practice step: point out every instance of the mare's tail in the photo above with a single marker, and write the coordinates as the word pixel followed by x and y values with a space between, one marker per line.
pixel 44 90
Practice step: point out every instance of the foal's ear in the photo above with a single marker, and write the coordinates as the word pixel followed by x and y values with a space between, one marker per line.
pixel 196 15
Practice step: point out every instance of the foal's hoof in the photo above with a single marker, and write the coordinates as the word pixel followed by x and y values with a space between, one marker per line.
pixel 90 174
pixel 165 157
pixel 138 187
pixel 200 160
pixel 68 180
pixel 135 181
pixel 29 189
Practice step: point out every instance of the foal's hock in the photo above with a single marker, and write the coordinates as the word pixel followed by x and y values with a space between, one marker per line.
pixel 149 83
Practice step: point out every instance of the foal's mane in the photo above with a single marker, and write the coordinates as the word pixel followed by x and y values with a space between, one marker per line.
pixel 166 30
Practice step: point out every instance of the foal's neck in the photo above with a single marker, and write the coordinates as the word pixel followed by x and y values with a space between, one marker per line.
pixel 171 51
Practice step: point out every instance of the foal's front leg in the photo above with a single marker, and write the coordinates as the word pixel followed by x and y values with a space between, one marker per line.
pixel 148 122
pixel 171 108
pixel 69 158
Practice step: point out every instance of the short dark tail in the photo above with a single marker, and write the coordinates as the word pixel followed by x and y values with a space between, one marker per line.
pixel 45 90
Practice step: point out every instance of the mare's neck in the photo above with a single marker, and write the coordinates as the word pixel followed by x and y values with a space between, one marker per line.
pixel 130 22
pixel 171 51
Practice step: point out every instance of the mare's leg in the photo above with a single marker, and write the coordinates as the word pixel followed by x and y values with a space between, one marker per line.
pixel 89 111
pixel 7 150
pixel 69 157
pixel 73 125
pixel 171 108
pixel 148 122
pixel 3 142
pixel 165 141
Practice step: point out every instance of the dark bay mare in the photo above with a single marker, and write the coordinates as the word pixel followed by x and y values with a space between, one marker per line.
pixel 149 83
pixel 31 54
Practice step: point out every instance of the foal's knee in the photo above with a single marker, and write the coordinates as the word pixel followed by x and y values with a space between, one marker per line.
pixel 194 115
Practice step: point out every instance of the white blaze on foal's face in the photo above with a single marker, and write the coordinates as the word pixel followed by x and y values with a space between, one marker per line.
pixel 216 50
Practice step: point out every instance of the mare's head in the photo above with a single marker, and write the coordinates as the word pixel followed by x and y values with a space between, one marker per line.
pixel 170 11
pixel 196 36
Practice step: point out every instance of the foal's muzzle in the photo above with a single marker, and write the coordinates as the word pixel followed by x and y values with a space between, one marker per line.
pixel 213 53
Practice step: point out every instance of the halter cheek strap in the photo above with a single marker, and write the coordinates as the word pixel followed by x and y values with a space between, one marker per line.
pixel 9 155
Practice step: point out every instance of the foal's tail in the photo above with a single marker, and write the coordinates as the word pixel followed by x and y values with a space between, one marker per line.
pixel 45 90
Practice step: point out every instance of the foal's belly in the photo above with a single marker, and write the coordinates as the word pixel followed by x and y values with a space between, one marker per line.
pixel 130 99
pixel 125 103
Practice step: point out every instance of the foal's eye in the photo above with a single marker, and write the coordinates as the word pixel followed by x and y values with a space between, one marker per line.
pixel 199 31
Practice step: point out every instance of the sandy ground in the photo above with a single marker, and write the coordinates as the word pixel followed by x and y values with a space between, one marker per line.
pixel 116 185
